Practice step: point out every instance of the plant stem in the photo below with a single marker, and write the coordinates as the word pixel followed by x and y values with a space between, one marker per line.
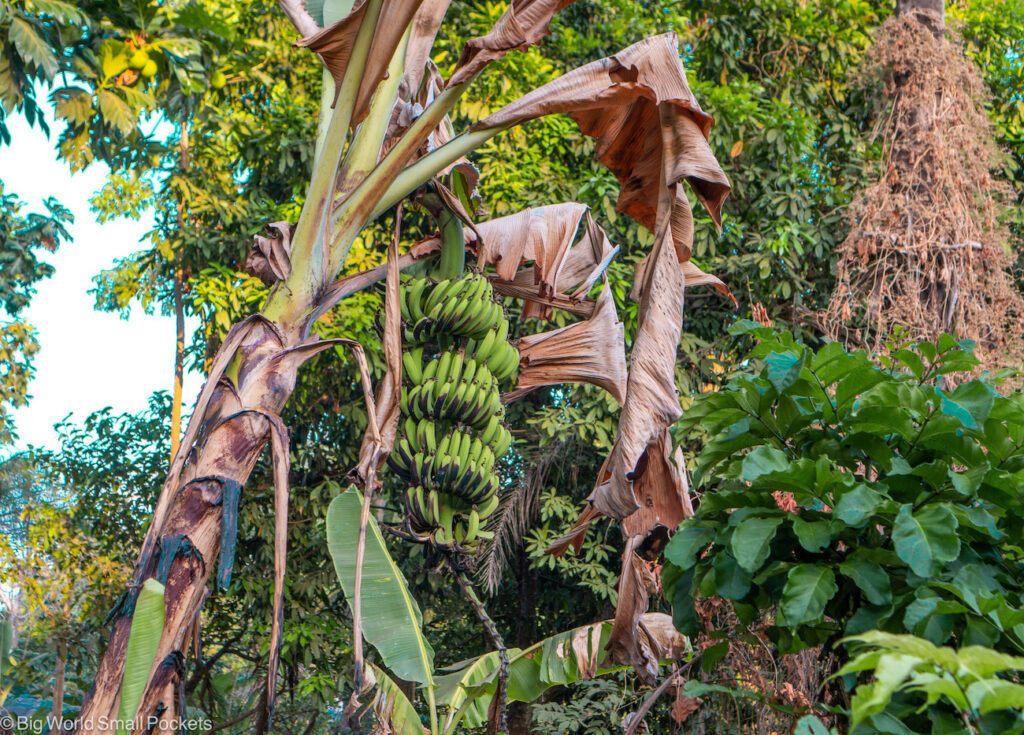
pixel 414 175
pixel 501 723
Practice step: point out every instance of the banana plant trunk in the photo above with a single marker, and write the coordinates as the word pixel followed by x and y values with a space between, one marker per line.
pixel 185 548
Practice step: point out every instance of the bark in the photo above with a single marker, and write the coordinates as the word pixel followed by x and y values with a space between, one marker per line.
pixel 229 433
pixel 57 710
pixel 179 363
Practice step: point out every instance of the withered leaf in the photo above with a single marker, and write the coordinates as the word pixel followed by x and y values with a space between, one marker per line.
pixel 649 129
pixel 581 267
pixel 626 645
pixel 593 351
pixel 661 488
pixel 269 258
pixel 524 23
pixel 334 45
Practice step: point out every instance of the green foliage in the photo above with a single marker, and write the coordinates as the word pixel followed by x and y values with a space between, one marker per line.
pixel 147 628
pixel 21 236
pixel 391 619
pixel 904 488
pixel 926 688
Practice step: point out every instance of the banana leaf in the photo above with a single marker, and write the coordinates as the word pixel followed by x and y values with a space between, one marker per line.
pixel 564 658
pixel 143 640
pixel 391 618
pixel 393 708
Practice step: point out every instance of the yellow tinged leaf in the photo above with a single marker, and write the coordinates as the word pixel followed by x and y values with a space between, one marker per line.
pixel 736 149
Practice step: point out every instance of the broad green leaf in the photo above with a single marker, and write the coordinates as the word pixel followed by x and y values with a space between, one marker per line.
pixel 812 535
pixel 892 670
pixel 32 47
pixel 391 618
pixel 564 658
pixel 763 461
pixel 934 686
pixel 870 578
pixel 751 541
pixel 392 706
pixel 143 641
pixel 783 369
pixel 808 589
pixel 116 111
pixel 855 506
pixel 65 12
pixel 688 542
pixel 990 695
pixel 811 725
pixel 113 58
pixel 6 641
pixel 926 537
pixel 73 104
pixel 970 402
pixel 983 662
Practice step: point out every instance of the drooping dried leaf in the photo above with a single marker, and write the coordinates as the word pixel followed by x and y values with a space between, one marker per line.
pixel 378 441
pixel 652 403
pixel 661 488
pixel 334 46
pixel 639 108
pixel 592 352
pixel 540 234
pixel 269 258
pixel 626 645
pixel 524 23
pixel 692 276
pixel 425 25
pixel 582 266
pixel 683 707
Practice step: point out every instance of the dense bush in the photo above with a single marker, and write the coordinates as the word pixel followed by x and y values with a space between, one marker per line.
pixel 843 494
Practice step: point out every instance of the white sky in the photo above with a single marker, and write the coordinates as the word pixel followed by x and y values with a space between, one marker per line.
pixel 88 359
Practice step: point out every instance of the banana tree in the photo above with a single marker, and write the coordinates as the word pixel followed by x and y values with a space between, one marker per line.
pixel 385 139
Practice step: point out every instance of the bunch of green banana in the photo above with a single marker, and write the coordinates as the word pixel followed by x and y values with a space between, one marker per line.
pixel 463 307
pixel 457 353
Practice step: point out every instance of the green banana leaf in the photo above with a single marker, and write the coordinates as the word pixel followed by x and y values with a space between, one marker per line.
pixel 392 706
pixel 391 618
pixel 564 658
pixel 143 640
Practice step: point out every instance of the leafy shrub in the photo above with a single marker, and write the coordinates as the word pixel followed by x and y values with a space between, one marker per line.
pixel 843 494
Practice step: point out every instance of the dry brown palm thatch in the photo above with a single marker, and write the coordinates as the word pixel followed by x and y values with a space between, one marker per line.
pixel 926 248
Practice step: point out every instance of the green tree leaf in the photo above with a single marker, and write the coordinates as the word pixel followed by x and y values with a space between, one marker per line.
pixel 808 589
pixel 870 578
pixel 116 111
pixel 763 460
pixel 783 368
pixel 751 541
pixel 970 402
pixel 926 537
pixel 687 543
pixel 857 505
pixel 32 46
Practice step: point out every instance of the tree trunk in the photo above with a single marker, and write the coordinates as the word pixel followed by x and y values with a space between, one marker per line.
pixel 179 362
pixel 179 308
pixel 230 433
pixel 57 709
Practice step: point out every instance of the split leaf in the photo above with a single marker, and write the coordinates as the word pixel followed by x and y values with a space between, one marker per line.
pixel 592 351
